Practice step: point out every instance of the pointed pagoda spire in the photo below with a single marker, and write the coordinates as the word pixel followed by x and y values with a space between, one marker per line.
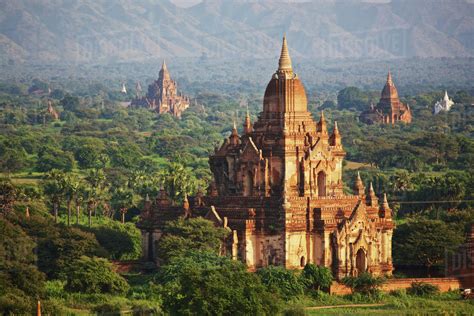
pixel 247 123
pixel 146 206
pixel 284 64
pixel 372 199
pixel 234 136
pixel 385 210
pixel 38 308
pixel 27 212
pixel 322 126
pixel 389 90
pixel 185 202
pixel 164 73
pixel 446 97
pixel 162 199
pixel 385 205
pixel 389 78
pixel 359 188
pixel 163 66
pixel 335 139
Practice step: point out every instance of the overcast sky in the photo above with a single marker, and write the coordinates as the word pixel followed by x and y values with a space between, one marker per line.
pixel 188 3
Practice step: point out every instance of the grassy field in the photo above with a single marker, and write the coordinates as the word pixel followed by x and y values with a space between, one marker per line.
pixel 401 304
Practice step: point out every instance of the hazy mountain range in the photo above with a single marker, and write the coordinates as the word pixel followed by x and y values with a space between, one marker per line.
pixel 77 31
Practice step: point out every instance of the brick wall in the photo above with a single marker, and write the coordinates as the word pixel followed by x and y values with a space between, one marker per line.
pixel 444 284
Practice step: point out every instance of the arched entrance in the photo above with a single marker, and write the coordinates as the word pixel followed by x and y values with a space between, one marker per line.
pixel 321 183
pixel 302 262
pixel 361 261
pixel 248 184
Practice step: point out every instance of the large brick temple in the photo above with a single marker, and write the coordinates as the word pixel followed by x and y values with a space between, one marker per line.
pixel 162 95
pixel 390 109
pixel 278 189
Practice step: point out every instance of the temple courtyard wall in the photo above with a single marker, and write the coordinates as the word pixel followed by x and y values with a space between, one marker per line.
pixel 444 285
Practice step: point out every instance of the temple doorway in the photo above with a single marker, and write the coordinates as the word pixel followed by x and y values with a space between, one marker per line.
pixel 248 184
pixel 361 261
pixel 321 183
pixel 302 262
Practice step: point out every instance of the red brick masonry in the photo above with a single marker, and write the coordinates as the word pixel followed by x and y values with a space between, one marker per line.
pixel 444 284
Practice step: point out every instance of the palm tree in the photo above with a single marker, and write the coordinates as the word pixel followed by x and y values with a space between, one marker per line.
pixel 145 184
pixel 90 199
pixel 123 199
pixel 8 196
pixel 80 197
pixel 53 186
pixel 71 186
pixel 96 182
pixel 179 181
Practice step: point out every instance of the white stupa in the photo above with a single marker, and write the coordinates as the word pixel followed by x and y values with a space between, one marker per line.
pixel 124 89
pixel 443 105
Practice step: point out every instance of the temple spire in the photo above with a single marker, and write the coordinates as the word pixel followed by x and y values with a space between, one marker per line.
pixel 385 210
pixel 185 202
pixel 247 123
pixel 284 64
pixel 359 188
pixel 385 205
pixel 335 139
pixel 164 73
pixel 234 136
pixel 389 78
pixel 372 199
pixel 163 66
pixel 322 126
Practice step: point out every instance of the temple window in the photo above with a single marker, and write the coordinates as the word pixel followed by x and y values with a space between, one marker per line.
pixel 321 183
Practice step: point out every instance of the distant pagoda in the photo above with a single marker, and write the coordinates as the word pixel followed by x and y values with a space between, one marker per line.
pixel 390 109
pixel 52 111
pixel 443 105
pixel 162 95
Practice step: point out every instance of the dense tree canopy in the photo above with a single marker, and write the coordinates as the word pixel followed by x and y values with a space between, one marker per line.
pixel 425 242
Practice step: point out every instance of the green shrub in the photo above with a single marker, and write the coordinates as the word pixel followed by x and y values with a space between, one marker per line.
pixel 208 284
pixel 16 303
pixel 422 289
pixel 122 241
pixel 144 308
pixel 316 277
pixel 94 275
pixel 282 281
pixel 55 288
pixel 51 307
pixel 294 311
pixel 147 291
pixel 400 293
pixel 364 283
pixel 107 309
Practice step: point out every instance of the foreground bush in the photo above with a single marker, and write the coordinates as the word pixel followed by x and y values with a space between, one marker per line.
pixel 122 241
pixel 196 234
pixel 282 281
pixel 316 277
pixel 94 275
pixel 365 283
pixel 142 308
pixel 206 284
pixel 422 289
